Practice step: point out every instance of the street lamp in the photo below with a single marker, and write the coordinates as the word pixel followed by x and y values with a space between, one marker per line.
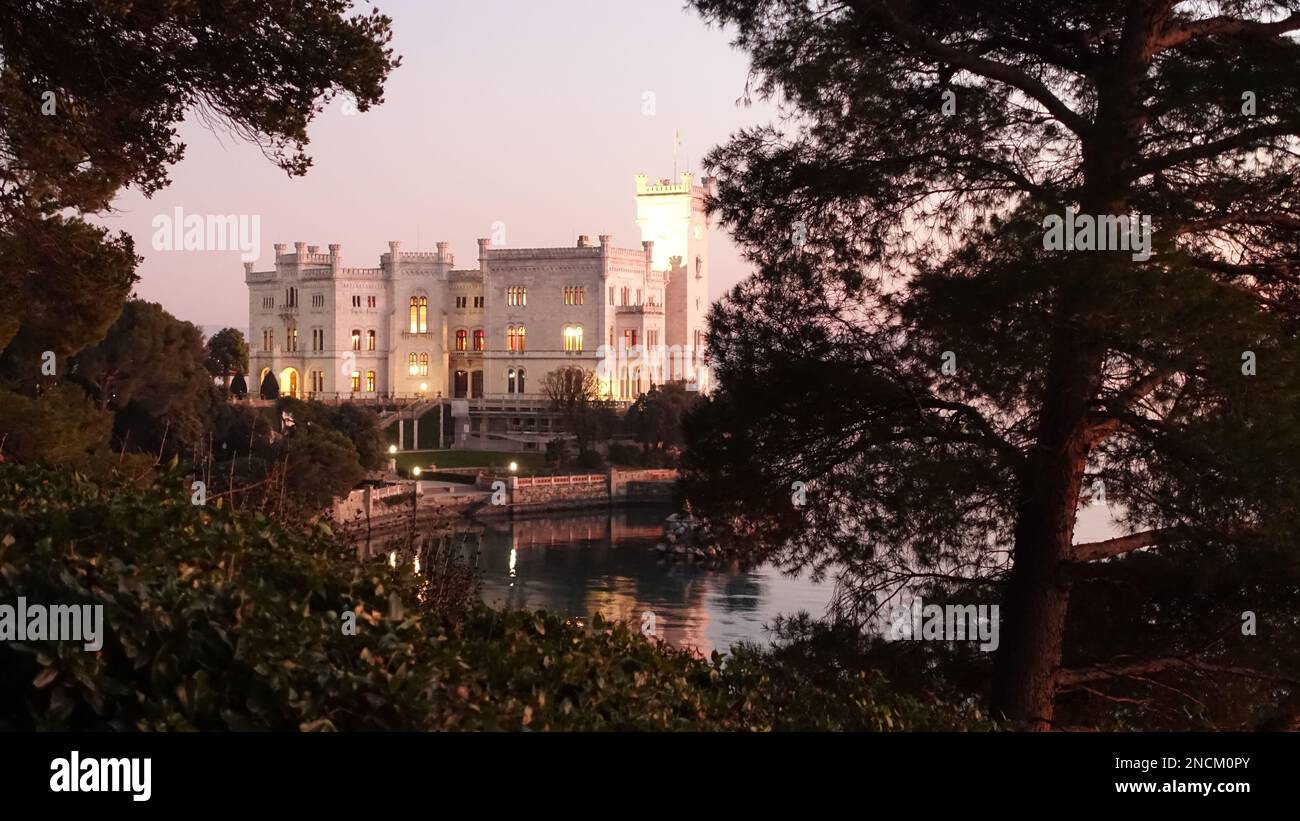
pixel 392 448
pixel 514 466
pixel 415 471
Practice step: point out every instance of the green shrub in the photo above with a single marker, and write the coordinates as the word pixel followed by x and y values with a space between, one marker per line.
pixel 590 460
pixel 628 455
pixel 220 621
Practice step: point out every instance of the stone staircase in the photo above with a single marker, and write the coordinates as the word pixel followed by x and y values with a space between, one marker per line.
pixel 412 411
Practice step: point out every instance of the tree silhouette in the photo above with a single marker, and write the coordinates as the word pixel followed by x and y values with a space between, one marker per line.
pixel 950 390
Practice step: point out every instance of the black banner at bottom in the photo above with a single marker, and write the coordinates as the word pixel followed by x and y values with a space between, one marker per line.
pixel 143 773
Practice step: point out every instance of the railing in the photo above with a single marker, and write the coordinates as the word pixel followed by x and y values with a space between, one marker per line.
pixel 647 475
pixel 344 397
pixel 552 481
pixel 640 309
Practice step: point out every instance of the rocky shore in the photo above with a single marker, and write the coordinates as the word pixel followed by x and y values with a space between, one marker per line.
pixel 687 538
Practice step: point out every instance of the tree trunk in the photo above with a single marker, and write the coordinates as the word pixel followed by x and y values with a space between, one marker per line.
pixel 1035 604
pixel 1037 598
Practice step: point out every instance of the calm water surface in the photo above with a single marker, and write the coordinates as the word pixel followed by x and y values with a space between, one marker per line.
pixel 582 563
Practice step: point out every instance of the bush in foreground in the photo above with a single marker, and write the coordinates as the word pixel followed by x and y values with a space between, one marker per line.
pixel 219 621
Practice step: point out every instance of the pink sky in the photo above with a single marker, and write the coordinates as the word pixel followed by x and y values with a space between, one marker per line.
pixel 503 110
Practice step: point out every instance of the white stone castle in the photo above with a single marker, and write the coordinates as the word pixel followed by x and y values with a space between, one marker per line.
pixel 416 326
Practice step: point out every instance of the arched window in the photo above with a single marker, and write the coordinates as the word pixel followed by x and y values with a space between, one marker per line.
pixel 370 340
pixel 415 314
pixel 413 365
pixel 510 380
pixel 424 364
pixel 370 381
pixel 462 339
pixel 519 337
pixel 521 381
pixel 510 337
pixel 573 338
pixel 356 381
pixel 356 339
pixel 424 314
pixel 480 341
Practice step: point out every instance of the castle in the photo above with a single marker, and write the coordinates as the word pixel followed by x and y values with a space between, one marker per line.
pixel 417 326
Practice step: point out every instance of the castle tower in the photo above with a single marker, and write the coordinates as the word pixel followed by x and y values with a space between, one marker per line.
pixel 671 215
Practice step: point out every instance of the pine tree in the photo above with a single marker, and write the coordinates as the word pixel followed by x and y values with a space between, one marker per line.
pixel 949 388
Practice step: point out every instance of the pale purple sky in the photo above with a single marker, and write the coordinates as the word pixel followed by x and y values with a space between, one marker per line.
pixel 503 110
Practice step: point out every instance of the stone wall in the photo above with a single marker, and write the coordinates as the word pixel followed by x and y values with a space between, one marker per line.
pixel 557 492
pixel 359 504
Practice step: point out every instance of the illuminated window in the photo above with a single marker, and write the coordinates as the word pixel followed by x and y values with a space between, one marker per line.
pixel 370 381
pixel 413 365
pixel 462 340
pixel 573 338
pixel 480 340
pixel 356 381
pixel 511 338
pixel 519 337
pixel 370 340
pixel 424 364
pixel 419 314
pixel 517 295
pixel 356 339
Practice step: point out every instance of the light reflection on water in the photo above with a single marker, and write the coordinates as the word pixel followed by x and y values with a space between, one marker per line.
pixel 581 563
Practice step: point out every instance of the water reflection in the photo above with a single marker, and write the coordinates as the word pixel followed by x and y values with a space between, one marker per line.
pixel 578 564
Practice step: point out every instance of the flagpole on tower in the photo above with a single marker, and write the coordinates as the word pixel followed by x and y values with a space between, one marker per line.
pixel 677 140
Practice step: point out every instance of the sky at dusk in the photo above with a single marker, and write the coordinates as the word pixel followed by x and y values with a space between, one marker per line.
pixel 529 114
